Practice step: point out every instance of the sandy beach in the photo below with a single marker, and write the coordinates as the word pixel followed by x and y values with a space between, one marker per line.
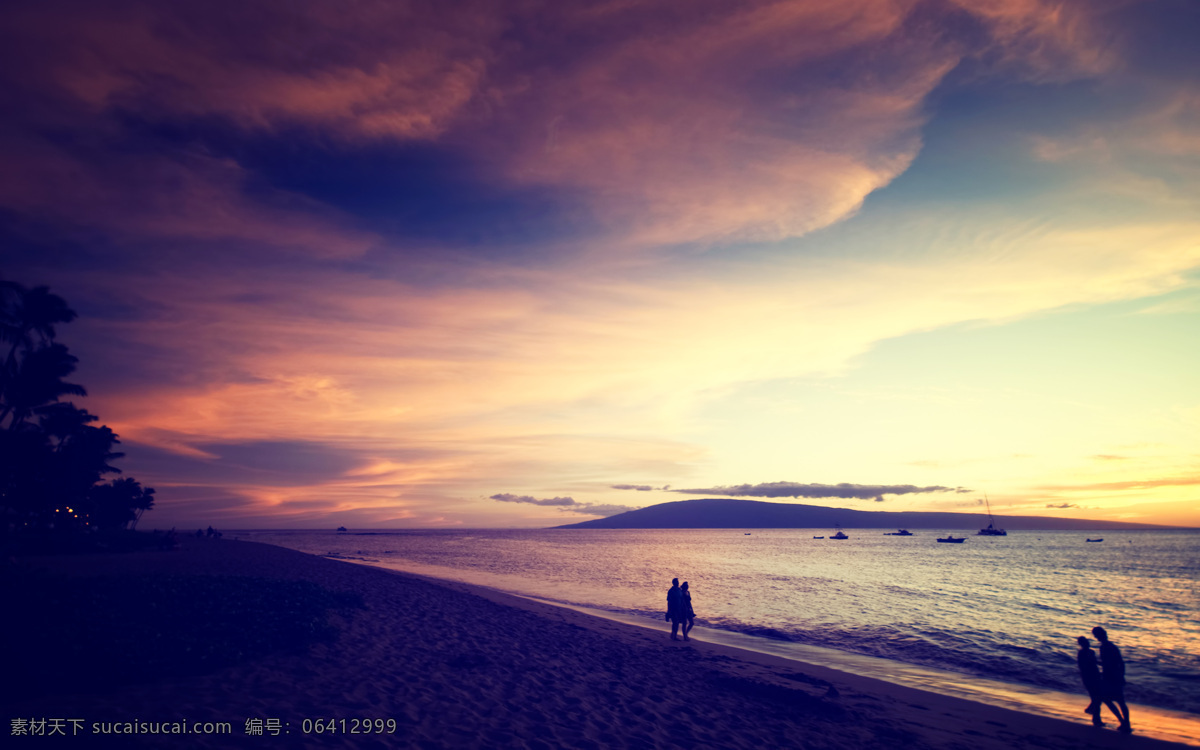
pixel 454 666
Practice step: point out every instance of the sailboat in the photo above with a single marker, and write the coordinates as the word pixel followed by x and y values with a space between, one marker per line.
pixel 990 529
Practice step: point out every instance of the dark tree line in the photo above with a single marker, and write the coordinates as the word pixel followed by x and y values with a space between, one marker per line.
pixel 53 459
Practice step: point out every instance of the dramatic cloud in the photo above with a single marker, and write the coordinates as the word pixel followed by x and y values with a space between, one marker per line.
pixel 843 490
pixel 753 121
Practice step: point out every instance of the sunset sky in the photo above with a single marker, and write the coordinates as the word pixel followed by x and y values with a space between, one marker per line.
pixel 513 264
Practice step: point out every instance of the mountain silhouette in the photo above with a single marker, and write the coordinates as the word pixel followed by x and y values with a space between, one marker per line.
pixel 727 513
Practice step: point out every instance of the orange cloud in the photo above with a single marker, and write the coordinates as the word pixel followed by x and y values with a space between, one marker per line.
pixel 711 126
pixel 1052 39
pixel 1133 484
pixel 1161 135
pixel 383 69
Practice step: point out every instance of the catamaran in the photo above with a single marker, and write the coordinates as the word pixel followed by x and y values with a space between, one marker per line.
pixel 990 529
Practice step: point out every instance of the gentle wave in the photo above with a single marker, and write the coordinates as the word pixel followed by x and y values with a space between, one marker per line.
pixel 1004 609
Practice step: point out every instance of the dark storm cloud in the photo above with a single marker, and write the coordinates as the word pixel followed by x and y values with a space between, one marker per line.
pixel 795 489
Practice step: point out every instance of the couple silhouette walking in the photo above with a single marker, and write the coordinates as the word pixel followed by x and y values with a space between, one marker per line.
pixel 679 609
pixel 1107 687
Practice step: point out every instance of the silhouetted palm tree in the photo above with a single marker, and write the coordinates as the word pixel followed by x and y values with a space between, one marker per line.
pixel 29 313
pixel 52 457
pixel 119 502
pixel 37 381
pixel 60 421
pixel 32 373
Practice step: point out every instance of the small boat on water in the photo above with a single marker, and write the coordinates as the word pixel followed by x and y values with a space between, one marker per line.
pixel 1096 540
pixel 901 532
pixel 950 539
pixel 839 535
pixel 990 529
pixel 341 528
pixel 818 537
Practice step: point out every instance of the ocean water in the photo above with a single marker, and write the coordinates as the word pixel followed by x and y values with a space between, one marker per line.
pixel 1007 608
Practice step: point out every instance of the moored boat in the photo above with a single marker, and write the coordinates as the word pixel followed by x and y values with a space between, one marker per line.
pixel 900 532
pixel 950 539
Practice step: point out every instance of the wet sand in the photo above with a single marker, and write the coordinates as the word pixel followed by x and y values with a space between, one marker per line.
pixel 456 666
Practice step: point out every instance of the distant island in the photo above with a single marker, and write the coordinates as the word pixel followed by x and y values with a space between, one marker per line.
pixel 726 513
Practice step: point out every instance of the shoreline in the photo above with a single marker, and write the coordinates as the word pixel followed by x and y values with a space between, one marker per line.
pixel 457 665
pixel 1160 723
pixel 1157 723
pixel 1165 722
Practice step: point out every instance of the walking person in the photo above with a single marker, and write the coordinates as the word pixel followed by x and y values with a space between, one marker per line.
pixel 1089 671
pixel 1113 676
pixel 689 614
pixel 675 608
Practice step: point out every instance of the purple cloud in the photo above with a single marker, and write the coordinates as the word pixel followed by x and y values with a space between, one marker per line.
pixel 597 509
pixel 565 504
pixel 554 501
pixel 796 489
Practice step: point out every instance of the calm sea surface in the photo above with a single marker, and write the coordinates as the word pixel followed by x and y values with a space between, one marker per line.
pixel 1006 608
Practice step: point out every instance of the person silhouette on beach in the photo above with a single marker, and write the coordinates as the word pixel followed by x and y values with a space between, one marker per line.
pixel 675 608
pixel 1089 671
pixel 1113 676
pixel 689 614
